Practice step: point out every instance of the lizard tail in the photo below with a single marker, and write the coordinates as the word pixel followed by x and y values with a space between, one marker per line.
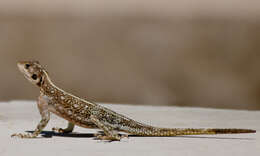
pixel 190 131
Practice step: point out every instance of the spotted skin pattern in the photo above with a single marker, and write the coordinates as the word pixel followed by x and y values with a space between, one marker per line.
pixel 83 113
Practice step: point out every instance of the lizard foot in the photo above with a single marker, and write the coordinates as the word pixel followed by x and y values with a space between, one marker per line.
pixel 60 130
pixel 110 138
pixel 26 135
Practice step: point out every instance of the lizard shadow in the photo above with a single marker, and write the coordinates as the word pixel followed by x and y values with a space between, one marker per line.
pixel 49 134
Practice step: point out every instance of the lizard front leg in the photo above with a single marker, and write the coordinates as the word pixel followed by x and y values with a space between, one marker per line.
pixel 69 128
pixel 45 114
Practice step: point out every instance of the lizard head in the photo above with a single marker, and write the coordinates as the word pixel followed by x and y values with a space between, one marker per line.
pixel 33 71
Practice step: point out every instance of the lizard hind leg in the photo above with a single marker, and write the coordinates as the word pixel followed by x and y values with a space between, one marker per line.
pixel 69 128
pixel 109 132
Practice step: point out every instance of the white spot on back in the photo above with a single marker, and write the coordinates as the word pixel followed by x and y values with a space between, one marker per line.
pixel 69 112
pixel 60 108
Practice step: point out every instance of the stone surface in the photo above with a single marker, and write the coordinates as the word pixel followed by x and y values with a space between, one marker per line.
pixel 21 116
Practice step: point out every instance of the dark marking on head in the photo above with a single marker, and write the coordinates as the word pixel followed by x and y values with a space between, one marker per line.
pixel 40 82
pixel 34 76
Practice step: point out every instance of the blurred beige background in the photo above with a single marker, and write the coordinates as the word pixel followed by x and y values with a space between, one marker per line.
pixel 188 53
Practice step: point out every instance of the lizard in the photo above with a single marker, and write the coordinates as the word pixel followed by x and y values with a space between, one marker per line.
pixel 81 112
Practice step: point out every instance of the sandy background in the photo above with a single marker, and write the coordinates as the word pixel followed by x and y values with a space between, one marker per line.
pixel 199 53
pixel 21 116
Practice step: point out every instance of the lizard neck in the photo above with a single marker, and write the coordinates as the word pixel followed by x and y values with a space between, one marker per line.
pixel 47 87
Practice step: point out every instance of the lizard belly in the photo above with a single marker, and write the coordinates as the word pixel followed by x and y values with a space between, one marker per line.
pixel 82 122
pixel 74 117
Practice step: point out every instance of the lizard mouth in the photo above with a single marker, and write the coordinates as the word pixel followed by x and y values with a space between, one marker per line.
pixel 22 70
pixel 20 66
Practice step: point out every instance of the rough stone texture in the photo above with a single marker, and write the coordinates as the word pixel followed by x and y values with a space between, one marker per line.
pixel 20 116
pixel 187 53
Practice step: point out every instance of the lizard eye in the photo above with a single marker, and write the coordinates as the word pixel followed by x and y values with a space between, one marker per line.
pixel 34 76
pixel 27 66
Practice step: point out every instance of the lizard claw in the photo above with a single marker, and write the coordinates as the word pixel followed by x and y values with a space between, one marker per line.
pixel 26 135
pixel 109 138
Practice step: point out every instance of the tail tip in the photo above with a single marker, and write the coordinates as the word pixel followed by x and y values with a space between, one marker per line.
pixel 248 131
pixel 251 131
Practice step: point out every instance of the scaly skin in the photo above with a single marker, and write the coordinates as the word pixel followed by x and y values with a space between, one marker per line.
pixel 87 114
